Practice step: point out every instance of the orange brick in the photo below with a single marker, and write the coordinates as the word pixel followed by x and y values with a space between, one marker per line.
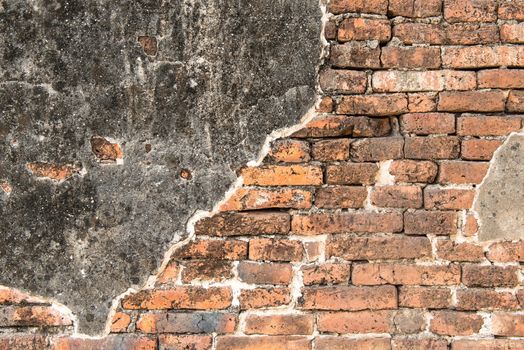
pixel 282 175
pixel 506 252
pixel 424 297
pixel 470 10
pixel 512 10
pixel 443 198
pixel 325 105
pixel 265 273
pixel 471 34
pixel 483 56
pixel 356 322
pixel 193 342
pixel 355 55
pixel 428 123
pixel 187 322
pixel 515 102
pixel 341 125
pixel 212 249
pixel 423 222
pixel 440 147
pixel 419 33
pixel 14 296
pixel 374 248
pixel 55 172
pixel 207 270
pixel 478 149
pixel 351 174
pixel 109 342
pixel 508 324
pixel 419 344
pixel 341 197
pixel 379 7
pixel 342 343
pixel 478 125
pixel 485 299
pixel 455 323
pixel 331 150
pixel 452 251
pixel 512 33
pixel 501 78
pixel 240 224
pixel 254 198
pixel 289 151
pixel 373 105
pixel 33 316
pixel 343 81
pixel 326 223
pixel 422 102
pixel 490 276
pixel 410 57
pixel 405 274
pixel 263 342
pixel 472 101
pixel 470 226
pixel 362 29
pixel 377 149
pixel 264 297
pixel 397 196
pixel 459 172
pixel 349 298
pixel 327 273
pixel 279 324
pixel 413 171
pixel 415 8
pixel 488 344
pixel 275 249
pixel 120 322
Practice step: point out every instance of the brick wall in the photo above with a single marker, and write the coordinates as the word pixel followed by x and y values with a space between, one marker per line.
pixel 356 230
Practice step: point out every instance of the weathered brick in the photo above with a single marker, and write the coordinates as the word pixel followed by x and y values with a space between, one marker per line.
pixel 508 324
pixel 341 197
pixel 32 316
pixel 254 198
pixel 289 151
pixel 423 222
pixel 120 322
pixel 410 57
pixel 351 174
pixel 14 296
pixel 279 324
pixel 515 102
pixel 424 297
pixel 471 34
pixel 448 198
pixel 330 30
pixel 55 172
pixel 109 342
pixel 470 226
pixel 449 250
pixel 240 224
pixel 282 175
pixel 488 344
pixel 379 7
pixel 470 10
pixel 506 252
pixel 326 223
pixel 362 29
pixel 419 344
pixel 455 323
pixel 397 196
pixel 24 342
pixel 490 276
pixel 428 123
pixel 265 273
pixel 419 33
pixel 339 125
pixel 512 33
pixel 485 299
pixel 356 322
pixel 342 343
pixel 207 270
pixel 355 55
pixel 212 249
pixel 187 322
pixel 478 149
pixel 405 274
pixel 193 342
pixel 512 10
pixel 422 102
pixel 349 298
pixel 373 105
pixel 483 56
pixel 413 81
pixel 460 172
pixel 264 297
pixel 413 171
pixel 441 147
pixel 327 273
pixel 343 81
pixel 377 149
pixel 472 101
pixel 480 125
pixel 375 248
pixel 314 251
pixel 501 78
pixel 325 105
pixel 331 150
pixel 263 342
pixel 275 249
pixel 415 8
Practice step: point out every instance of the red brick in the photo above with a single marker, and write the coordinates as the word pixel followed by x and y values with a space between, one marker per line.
pixel 325 105
pixel 109 342
pixel 490 276
pixel 488 344
pixel 375 248
pixel 478 149
pixel 430 222
pixel 512 33
pixel 397 196
pixel 339 125
pixel 415 8
pixel 377 149
pixel 470 226
pixel 282 175
pixel 263 342
pixel 454 199
pixel 373 105
pixel 289 151
pixel 328 273
pixel 362 29
pixel 331 150
pixel 472 101
pixel 419 344
pixel 314 251
pixel 207 270
pixel 24 342
pixel 410 57
pixel 428 123
pixel 515 101
pixel 212 249
pixel 455 323
pixel 191 322
pixel 512 10
pixel 422 102
pixel 343 81
pixel 440 147
pixel 479 125
pixel 265 273
pixel 341 197
pixel 349 298
pixel 460 172
pixel 485 299
pixel 506 252
pixel 355 55
pixel 403 274
pixel 413 171
pixel 508 324
pixel 193 342
pixel 419 33
pixel 501 78
pixel 341 343
pixel 264 297
pixel 379 7
pixel 471 34
pixel 452 251
pixel 254 198
pixel 279 324
pixel 351 174
pixel 483 56
pixel 356 322
pixel 470 10
pixel 414 81
pixel 326 223
pixel 240 224
pixel 170 274
pixel 120 322
pixel 186 297
pixel 275 249
pixel 424 297
pixel 32 316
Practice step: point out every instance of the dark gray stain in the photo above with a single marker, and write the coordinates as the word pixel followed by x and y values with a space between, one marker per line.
pixel 188 88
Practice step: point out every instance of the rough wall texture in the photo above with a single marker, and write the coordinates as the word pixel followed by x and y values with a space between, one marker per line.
pixel 360 229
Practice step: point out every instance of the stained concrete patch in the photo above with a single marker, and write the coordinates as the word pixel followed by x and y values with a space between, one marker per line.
pixel 500 201
pixel 188 90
